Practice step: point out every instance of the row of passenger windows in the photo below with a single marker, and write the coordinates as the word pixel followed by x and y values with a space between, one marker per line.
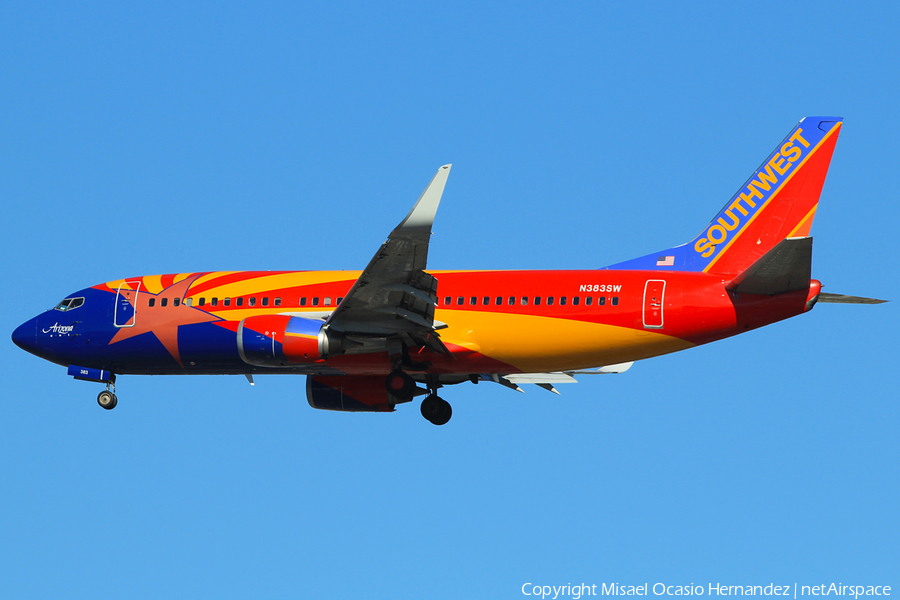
pixel 536 300
pixel 448 301
pixel 264 301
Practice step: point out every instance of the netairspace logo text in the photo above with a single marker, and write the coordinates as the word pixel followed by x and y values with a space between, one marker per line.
pixel 791 590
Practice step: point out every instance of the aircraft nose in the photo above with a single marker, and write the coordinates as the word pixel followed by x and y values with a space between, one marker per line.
pixel 25 336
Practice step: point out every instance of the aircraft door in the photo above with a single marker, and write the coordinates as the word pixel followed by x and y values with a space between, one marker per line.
pixel 125 313
pixel 654 294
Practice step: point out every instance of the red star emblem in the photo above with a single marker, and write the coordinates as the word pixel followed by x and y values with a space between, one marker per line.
pixel 164 321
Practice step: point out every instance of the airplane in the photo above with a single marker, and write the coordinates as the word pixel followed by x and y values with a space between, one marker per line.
pixel 373 339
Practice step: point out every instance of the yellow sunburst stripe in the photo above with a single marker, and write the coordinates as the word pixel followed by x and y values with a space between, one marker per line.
pixel 261 285
pixel 538 344
pixel 772 197
pixel 132 284
pixel 153 284
pixel 211 276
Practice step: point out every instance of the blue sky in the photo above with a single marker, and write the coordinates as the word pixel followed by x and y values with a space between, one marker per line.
pixel 179 137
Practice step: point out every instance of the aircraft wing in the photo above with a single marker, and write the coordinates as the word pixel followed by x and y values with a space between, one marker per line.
pixel 393 296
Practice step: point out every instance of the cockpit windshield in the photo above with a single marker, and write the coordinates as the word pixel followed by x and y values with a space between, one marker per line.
pixel 69 304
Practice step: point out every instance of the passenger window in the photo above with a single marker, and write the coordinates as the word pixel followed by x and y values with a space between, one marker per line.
pixel 549 300
pixel 447 300
pixel 537 300
pixel 339 300
pixel 252 301
pixel 226 302
pixel 315 301
pixel 202 301
pixel 499 300
pixel 575 300
pixel 486 300
pixel 239 302
pixel 601 300
pixel 190 302
pixel 151 302
pixel 615 301
pixel 459 301
pixel 327 301
pixel 176 301
pixel 278 301
pixel 265 301
pixel 213 302
pixel 473 301
pixel 562 300
pixel 303 301
pixel 589 300
pixel 165 301
pixel 524 300
pixel 512 300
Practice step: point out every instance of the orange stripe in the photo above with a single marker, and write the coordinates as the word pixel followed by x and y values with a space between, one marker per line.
pixel 800 230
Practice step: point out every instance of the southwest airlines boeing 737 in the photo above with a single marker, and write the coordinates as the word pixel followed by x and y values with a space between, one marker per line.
pixel 370 340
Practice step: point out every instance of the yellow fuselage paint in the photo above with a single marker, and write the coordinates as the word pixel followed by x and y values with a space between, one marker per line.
pixel 540 344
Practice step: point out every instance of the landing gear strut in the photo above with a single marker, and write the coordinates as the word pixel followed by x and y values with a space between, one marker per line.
pixel 436 410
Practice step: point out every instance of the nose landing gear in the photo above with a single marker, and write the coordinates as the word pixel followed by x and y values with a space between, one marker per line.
pixel 107 398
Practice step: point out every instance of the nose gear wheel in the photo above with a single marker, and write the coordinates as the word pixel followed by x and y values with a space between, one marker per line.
pixel 107 400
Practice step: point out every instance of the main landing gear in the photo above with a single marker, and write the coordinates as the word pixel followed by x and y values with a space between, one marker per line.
pixel 436 410
pixel 403 387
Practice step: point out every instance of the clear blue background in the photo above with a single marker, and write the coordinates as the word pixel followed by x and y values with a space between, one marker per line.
pixel 173 137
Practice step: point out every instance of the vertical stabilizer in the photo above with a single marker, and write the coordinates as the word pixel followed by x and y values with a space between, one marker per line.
pixel 778 201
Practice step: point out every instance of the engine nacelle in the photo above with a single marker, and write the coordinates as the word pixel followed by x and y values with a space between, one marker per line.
pixel 283 341
pixel 356 393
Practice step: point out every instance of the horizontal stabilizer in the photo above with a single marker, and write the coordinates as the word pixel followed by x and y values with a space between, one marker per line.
pixel 842 299
pixel 785 268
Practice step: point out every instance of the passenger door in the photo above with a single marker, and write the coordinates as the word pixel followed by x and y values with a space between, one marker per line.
pixel 654 294
pixel 125 313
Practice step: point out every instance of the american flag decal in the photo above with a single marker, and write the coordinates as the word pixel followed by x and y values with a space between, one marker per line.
pixel 665 261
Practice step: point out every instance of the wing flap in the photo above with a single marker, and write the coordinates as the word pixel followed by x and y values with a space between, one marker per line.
pixel 539 378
